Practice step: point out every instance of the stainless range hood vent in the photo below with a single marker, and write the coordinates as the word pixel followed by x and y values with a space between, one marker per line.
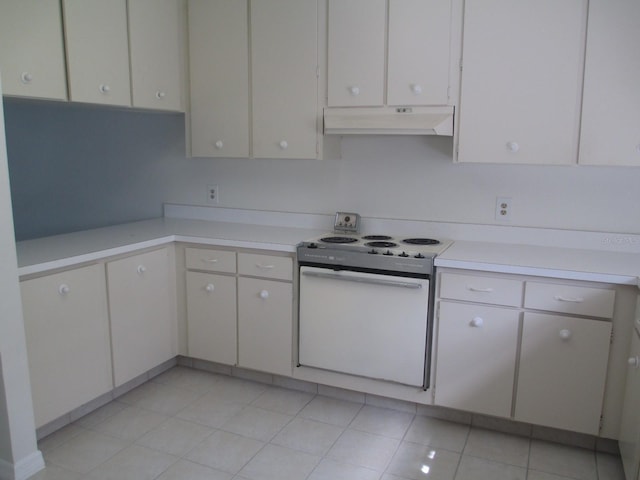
pixel 389 121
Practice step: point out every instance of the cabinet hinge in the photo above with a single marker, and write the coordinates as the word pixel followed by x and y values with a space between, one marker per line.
pixel 317 147
pixel 317 71
pixel 460 65
pixel 601 423
pixel 611 339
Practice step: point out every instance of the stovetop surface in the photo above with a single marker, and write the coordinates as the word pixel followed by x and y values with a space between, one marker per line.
pixel 390 245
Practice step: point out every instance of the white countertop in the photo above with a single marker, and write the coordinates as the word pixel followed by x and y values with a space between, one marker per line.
pixel 42 254
pixel 60 251
pixel 569 263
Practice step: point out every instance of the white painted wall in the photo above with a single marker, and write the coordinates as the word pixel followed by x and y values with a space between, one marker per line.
pixel 415 178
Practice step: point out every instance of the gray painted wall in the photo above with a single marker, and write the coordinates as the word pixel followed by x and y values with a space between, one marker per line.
pixel 74 167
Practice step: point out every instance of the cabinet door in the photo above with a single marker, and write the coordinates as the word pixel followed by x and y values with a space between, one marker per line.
pixel 475 362
pixel 211 317
pixel 219 65
pixel 97 51
pixel 155 47
pixel 521 81
pixel 67 333
pixel 630 425
pixel 265 323
pixel 611 104
pixel 356 52
pixel 31 49
pixel 284 66
pixel 142 309
pixel 419 52
pixel 563 364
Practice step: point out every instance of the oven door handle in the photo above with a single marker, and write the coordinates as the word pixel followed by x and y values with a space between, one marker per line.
pixel 371 281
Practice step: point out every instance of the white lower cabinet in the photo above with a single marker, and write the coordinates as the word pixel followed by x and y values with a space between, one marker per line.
pixel 477 348
pixel 142 311
pixel 265 325
pixel 67 335
pixel 211 311
pixel 562 373
pixel 539 355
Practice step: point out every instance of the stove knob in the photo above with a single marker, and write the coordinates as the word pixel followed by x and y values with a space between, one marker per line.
pixel 373 252
pixel 404 254
pixel 419 255
pixel 388 252
pixel 312 245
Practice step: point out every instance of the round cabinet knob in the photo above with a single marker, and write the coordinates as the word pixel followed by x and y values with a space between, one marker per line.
pixel 105 88
pixel 565 334
pixel 160 95
pixel 141 269
pixel 284 144
pixel 416 89
pixel 63 289
pixel 477 322
pixel 210 287
pixel 634 362
pixel 264 294
pixel 355 91
pixel 26 77
pixel 513 146
pixel 638 148
pixel 219 144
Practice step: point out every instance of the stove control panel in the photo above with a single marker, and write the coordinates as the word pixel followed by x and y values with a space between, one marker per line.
pixel 347 222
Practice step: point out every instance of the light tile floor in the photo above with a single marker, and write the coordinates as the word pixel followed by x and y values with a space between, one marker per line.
pixel 191 425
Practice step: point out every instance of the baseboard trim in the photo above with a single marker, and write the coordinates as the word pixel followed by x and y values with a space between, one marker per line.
pixel 25 468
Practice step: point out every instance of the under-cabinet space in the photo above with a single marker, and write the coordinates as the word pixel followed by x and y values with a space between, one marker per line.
pixel 67 336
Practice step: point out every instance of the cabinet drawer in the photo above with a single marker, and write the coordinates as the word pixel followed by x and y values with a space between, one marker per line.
pixel 589 301
pixel 267 266
pixel 475 288
pixel 210 260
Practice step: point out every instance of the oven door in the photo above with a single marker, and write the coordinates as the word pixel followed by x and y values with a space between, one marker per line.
pixel 364 324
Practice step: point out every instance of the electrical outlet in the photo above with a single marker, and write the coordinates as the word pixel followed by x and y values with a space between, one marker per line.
pixel 213 194
pixel 503 209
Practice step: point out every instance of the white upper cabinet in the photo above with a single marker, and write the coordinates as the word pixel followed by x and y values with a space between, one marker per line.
pixel 394 52
pixel 521 86
pixel 356 42
pixel 31 49
pixel 419 52
pixel 610 133
pixel 284 73
pixel 97 51
pixel 155 39
pixel 219 64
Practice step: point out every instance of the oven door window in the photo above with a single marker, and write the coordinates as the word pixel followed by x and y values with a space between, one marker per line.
pixel 364 324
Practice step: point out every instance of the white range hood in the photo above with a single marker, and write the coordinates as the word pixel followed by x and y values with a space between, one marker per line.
pixel 389 121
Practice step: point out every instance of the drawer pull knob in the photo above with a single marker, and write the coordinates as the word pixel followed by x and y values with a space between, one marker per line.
pixel 565 334
pixel 477 322
pixel 26 78
pixel 141 269
pixel 560 298
pixel 480 290
pixel 63 289
pixel 634 362
pixel 210 260
pixel 210 287
pixel 354 91
pixel 416 89
pixel 160 95
pixel 104 89
pixel 219 144
pixel 264 294
pixel 265 267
